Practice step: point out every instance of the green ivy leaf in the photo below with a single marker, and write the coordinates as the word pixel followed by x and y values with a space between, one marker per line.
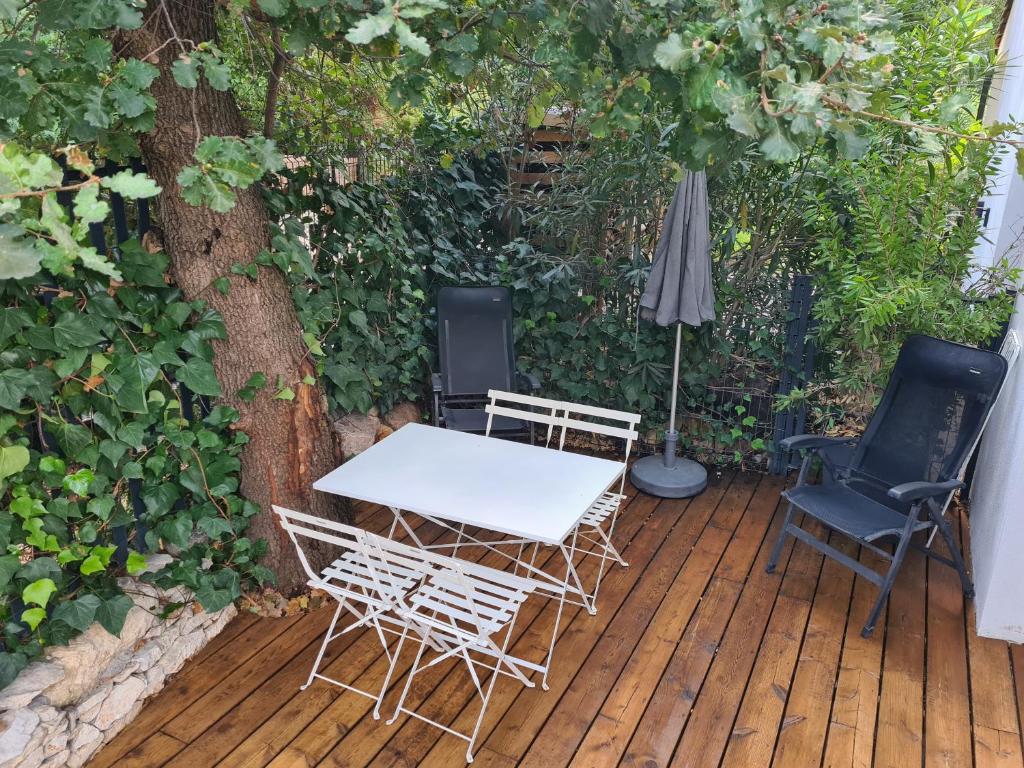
pixel 39 592
pixel 112 612
pixel 78 613
pixel 92 564
pixel 33 617
pixel 13 459
pixel 136 563
pixel 78 483
pixel 10 665
pixel 137 372
pixel 199 376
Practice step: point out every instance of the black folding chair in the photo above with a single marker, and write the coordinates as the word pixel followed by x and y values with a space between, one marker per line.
pixel 906 466
pixel 476 354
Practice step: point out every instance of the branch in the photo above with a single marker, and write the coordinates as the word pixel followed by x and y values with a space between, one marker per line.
pixel 845 108
pixel 274 84
pixel 43 192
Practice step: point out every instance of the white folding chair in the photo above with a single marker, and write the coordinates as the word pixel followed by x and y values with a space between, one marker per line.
pixel 462 610
pixel 623 425
pixel 366 586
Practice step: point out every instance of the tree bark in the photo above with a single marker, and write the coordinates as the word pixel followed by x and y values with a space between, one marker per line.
pixel 291 442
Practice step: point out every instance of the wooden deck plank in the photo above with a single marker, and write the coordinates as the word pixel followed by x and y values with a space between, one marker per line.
pixel 947 733
pixel 526 717
pixel 623 708
pixel 756 727
pixel 899 738
pixel 707 725
pixel 851 733
pixel 997 737
pixel 809 704
pixel 696 657
pixel 556 741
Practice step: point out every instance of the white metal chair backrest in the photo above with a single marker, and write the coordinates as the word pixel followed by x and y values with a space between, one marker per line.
pixel 538 410
pixel 357 574
pixel 595 420
pixel 480 591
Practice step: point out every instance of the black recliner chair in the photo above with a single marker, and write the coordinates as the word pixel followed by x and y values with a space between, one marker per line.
pixel 476 354
pixel 906 466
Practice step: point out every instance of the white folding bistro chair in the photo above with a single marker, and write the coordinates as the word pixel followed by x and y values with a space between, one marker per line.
pixel 462 610
pixel 369 588
pixel 581 418
pixel 565 416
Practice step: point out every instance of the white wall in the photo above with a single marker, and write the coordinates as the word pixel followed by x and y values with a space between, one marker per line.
pixel 997 496
pixel 997 511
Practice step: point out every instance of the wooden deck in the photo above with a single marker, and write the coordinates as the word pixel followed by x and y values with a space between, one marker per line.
pixel 696 657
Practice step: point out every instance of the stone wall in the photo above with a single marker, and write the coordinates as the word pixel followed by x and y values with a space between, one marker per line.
pixel 63 707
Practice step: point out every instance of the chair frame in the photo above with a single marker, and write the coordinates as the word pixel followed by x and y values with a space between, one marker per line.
pixel 565 416
pixel 482 604
pixel 377 601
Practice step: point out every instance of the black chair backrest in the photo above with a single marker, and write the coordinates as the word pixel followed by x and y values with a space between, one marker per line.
pixel 474 335
pixel 931 413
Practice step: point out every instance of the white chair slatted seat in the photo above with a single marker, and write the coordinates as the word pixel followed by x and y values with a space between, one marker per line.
pixel 363 584
pixel 462 610
pixel 623 426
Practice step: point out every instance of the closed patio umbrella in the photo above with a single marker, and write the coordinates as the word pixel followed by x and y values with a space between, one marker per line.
pixel 678 291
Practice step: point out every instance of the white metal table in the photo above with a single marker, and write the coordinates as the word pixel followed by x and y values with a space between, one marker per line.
pixel 525 493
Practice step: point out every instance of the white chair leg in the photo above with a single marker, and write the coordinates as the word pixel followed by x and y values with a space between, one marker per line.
pixel 323 647
pixel 408 682
pixel 391 671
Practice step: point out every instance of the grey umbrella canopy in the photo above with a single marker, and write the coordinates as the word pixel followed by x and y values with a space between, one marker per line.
pixel 678 291
pixel 679 287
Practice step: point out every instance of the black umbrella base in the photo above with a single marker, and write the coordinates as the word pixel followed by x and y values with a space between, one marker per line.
pixel 684 478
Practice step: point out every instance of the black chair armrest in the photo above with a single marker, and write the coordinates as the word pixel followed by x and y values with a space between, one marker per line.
pixel 435 383
pixel 918 490
pixel 528 381
pixel 812 442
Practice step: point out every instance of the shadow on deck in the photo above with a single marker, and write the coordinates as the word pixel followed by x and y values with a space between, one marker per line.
pixel 696 657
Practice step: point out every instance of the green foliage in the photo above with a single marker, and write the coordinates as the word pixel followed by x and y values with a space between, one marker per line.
pixel 88 406
pixel 226 163
pixel 361 297
pixel 894 245
pixel 35 230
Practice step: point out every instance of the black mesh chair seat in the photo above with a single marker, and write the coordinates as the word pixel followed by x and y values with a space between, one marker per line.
pixel 843 509
pixel 898 478
pixel 475 420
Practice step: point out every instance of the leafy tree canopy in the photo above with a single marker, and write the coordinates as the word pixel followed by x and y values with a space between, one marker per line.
pixel 782 75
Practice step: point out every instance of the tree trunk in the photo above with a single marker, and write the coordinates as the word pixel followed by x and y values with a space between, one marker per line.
pixel 291 442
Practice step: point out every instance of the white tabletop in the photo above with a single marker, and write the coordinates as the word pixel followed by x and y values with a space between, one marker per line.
pixel 512 488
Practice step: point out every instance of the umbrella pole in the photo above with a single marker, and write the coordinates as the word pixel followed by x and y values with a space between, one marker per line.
pixel 671 435
pixel 667 475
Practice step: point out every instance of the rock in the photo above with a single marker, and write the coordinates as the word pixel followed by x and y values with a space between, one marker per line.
pixel 60 759
pixel 357 432
pixel 154 680
pixel 17 727
pixel 148 655
pixel 57 743
pixel 93 653
pixel 177 652
pixel 85 742
pixel 402 414
pixel 120 701
pixel 32 681
pixel 87 710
